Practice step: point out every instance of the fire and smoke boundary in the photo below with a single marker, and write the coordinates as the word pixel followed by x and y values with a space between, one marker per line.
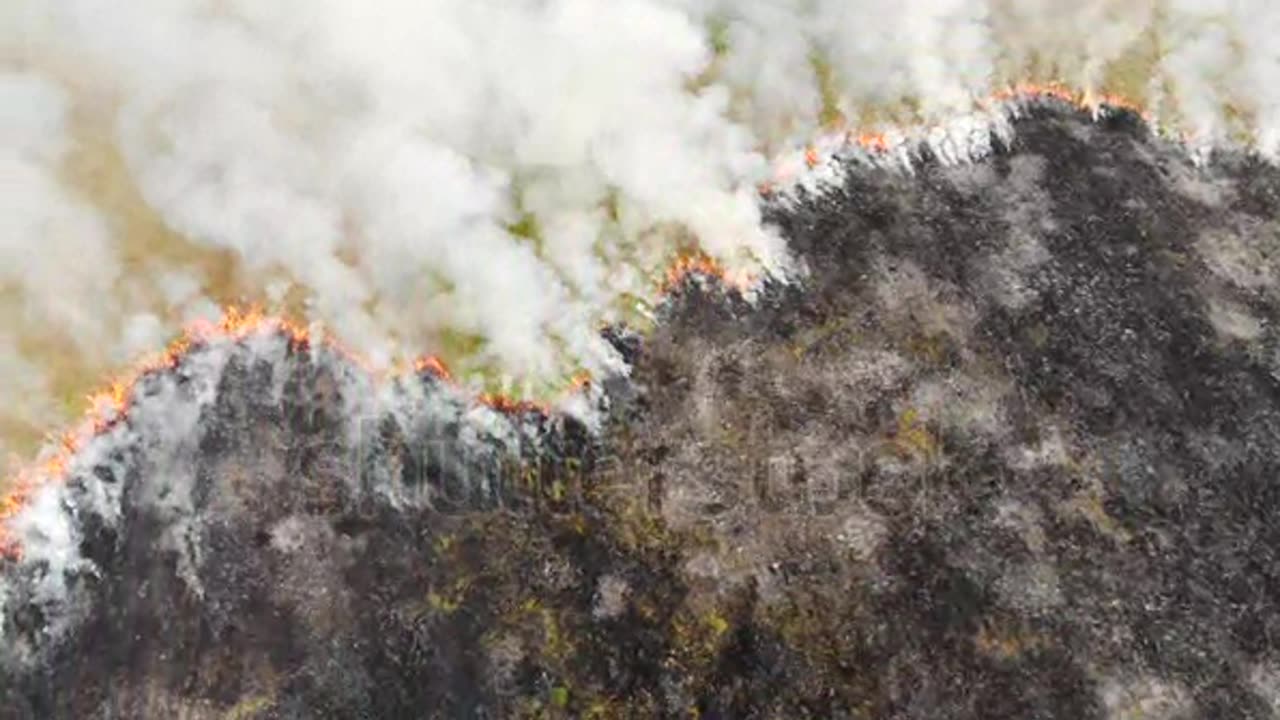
pixel 816 167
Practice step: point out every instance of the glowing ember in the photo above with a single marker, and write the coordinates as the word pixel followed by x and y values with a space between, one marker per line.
pixel 874 142
pixel 1086 100
pixel 699 264
pixel 879 143
pixel 580 380
pixel 511 406
pixel 10 504
pixel 432 365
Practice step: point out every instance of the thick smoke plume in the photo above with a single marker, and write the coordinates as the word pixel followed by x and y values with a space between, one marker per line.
pixel 488 181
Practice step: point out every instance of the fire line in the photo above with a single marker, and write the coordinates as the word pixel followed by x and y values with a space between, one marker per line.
pixel 110 406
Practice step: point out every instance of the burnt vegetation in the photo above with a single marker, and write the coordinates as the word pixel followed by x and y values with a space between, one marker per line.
pixel 1010 450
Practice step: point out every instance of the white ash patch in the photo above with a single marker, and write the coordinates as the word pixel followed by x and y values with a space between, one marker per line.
pixel 1198 184
pixel 559 573
pixel 829 468
pixel 1050 450
pixel 705 394
pixel 1023 520
pixel 1031 587
pixel 963 403
pixel 1264 679
pixel 703 565
pixel 908 297
pixel 309 578
pixel 289 535
pixel 971 178
pixel 1143 698
pixel 504 655
pixel 863 532
pixel 860 371
pixel 50 537
pixel 1007 275
pixel 1234 322
pixel 1027 214
pixel 611 597
pixel 1242 257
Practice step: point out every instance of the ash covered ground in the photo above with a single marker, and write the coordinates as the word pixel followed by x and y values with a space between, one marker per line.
pixel 1011 450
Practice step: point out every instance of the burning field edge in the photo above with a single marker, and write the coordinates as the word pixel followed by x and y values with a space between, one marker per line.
pixel 110 405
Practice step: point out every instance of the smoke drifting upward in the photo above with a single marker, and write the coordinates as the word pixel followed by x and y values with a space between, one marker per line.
pixel 488 181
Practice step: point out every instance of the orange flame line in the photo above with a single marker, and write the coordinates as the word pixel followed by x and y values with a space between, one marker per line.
pixel 699 264
pixel 109 406
pixel 878 143
pixel 1085 100
pixel 434 366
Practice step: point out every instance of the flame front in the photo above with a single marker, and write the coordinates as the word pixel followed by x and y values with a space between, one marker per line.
pixel 881 143
pixel 699 264
pixel 111 405
pixel 434 366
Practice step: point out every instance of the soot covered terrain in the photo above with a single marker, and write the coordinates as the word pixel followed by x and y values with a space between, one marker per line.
pixel 1010 451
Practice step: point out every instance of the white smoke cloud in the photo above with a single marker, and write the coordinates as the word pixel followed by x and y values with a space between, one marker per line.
pixel 489 180
pixel 57 266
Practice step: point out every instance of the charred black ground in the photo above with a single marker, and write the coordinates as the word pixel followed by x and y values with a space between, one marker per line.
pixel 1010 451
